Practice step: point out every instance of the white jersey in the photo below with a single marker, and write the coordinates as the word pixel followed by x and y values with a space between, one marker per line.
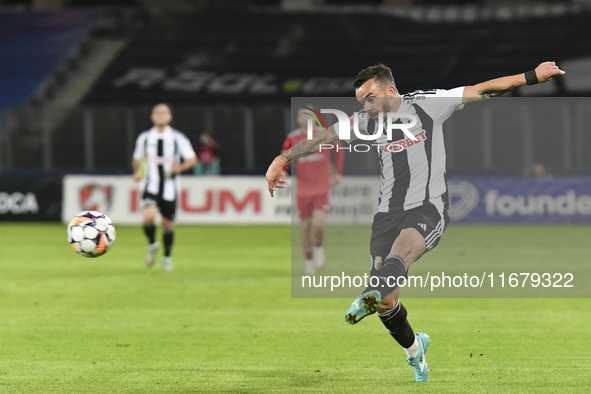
pixel 161 150
pixel 413 172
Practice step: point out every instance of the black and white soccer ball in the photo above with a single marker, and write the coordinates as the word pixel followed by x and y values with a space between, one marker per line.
pixel 91 234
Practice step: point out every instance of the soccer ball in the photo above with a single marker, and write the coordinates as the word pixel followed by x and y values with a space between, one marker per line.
pixel 91 233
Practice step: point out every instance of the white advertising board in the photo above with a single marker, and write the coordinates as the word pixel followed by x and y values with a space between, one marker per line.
pixel 216 200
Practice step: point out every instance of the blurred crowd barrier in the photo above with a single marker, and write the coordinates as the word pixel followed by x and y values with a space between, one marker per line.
pixel 504 136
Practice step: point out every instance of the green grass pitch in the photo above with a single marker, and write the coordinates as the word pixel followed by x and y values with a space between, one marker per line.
pixel 224 322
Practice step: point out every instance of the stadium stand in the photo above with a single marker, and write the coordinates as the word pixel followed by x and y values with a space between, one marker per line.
pixel 232 71
pixel 32 45
pixel 201 48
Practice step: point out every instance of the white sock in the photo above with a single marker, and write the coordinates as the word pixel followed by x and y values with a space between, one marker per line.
pixel 309 262
pixel 412 351
pixel 318 249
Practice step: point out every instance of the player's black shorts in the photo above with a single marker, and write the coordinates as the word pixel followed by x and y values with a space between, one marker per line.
pixel 429 220
pixel 167 208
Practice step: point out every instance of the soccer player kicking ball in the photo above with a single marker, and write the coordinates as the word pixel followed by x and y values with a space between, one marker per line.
pixel 412 210
pixel 313 189
pixel 162 147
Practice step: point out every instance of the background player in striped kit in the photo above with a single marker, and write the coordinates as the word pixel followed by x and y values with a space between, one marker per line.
pixel 313 189
pixel 163 148
pixel 412 209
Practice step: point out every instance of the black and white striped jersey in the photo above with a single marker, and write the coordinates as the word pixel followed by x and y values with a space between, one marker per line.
pixel 413 172
pixel 161 150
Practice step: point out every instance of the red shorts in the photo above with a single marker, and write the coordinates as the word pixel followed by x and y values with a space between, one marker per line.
pixel 307 204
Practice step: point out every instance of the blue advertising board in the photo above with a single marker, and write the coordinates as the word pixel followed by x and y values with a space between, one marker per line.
pixel 518 199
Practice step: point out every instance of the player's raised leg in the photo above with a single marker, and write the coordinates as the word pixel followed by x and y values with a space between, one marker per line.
pixel 149 213
pixel 391 250
pixel 364 305
pixel 407 248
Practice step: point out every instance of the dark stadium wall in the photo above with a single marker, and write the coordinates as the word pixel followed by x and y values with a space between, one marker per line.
pixel 216 56
pixel 31 198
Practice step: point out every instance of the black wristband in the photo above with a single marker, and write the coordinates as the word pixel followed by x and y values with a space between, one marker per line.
pixel 531 78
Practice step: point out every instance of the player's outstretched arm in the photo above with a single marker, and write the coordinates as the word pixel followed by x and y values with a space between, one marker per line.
pixel 275 175
pixel 497 87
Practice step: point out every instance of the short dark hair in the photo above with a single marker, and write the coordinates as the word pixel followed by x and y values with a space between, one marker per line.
pixel 380 72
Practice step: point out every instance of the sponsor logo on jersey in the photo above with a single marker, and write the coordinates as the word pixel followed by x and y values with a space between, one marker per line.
pixel 406 143
pixel 160 160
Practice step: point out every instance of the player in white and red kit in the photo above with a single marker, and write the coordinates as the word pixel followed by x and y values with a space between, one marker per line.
pixel 313 187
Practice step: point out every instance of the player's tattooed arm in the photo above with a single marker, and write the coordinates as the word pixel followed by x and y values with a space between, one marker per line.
pixel 493 88
pixel 495 92
pixel 307 147
pixel 499 86
pixel 275 176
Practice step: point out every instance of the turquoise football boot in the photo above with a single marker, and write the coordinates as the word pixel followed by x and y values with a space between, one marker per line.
pixel 364 305
pixel 419 363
